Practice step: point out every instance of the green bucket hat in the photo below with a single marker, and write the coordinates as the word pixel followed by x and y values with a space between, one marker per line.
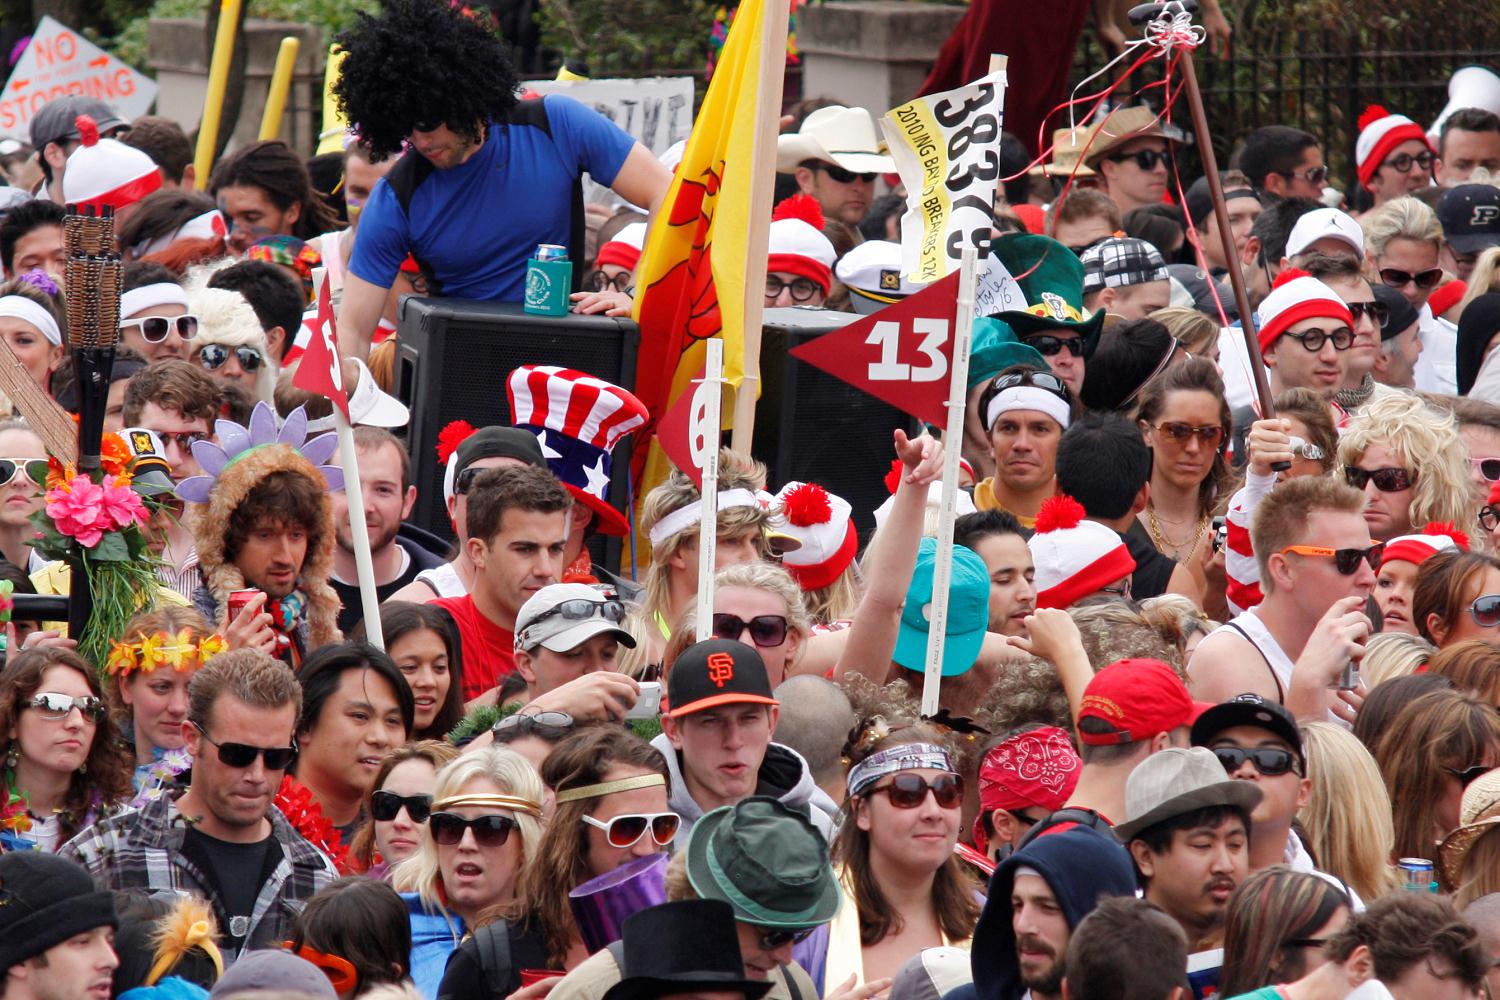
pixel 995 348
pixel 1051 277
pixel 765 860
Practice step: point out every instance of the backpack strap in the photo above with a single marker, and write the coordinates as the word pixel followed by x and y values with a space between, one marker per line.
pixel 493 942
pixel 793 990
pixel 533 113
pixel 1078 817
pixel 405 177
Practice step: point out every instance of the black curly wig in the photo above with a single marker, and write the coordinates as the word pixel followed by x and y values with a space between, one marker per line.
pixel 423 61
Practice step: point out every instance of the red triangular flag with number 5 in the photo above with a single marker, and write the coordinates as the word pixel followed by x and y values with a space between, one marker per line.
pixel 901 355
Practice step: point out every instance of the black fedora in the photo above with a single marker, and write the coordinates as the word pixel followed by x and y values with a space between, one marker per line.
pixel 683 947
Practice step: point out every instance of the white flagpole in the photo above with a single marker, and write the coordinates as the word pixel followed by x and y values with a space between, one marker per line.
pixel 942 571
pixel 708 524
pixel 360 531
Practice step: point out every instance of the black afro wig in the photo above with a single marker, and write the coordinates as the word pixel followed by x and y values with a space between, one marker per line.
pixel 423 61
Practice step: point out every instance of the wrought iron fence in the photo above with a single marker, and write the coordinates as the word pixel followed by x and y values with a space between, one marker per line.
pixel 1282 70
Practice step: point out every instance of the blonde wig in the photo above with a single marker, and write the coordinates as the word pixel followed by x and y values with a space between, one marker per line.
pixel 1427 441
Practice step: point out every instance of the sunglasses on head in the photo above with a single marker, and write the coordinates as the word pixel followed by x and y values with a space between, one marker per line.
pixel 1397 278
pixel 1385 480
pixel 1377 311
pixel 1179 432
pixel 1269 761
pixel 1489 468
pixel 1346 561
pixel 1404 161
pixel 1313 175
pixel 55 707
pixel 342 975
pixel 765 630
pixel 625 831
pixel 385 805
pixel 243 754
pixel 1469 775
pixel 12 467
pixel 1051 346
pixel 216 356
pixel 770 940
pixel 544 723
pixel 907 791
pixel 1486 610
pixel 1146 159
pixel 842 176
pixel 1313 338
pixel 154 329
pixel 581 609
pixel 489 831
pixel 1041 380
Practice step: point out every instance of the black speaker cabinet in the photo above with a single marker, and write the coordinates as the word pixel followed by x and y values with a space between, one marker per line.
pixel 811 426
pixel 453 360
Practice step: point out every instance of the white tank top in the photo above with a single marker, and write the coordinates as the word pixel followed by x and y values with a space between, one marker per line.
pixel 1251 628
pixel 444 580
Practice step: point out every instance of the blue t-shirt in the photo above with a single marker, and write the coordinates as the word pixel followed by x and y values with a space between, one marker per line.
pixel 477 224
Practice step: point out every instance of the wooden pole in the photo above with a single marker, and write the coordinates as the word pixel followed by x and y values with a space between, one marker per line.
pixel 762 188
pixel 213 99
pixel 281 85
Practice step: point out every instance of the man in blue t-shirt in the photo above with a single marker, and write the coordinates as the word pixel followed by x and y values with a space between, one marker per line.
pixel 485 177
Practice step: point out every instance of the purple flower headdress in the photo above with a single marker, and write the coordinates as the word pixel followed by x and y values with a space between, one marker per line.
pixel 236 441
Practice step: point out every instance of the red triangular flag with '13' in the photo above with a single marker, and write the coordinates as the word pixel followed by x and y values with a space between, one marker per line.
pixel 681 432
pixel 900 355
pixel 318 371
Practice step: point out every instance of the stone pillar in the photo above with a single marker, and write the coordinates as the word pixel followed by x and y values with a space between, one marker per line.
pixel 871 53
pixel 179 55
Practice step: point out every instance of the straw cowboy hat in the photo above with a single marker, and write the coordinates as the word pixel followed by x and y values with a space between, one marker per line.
pixel 1068 145
pixel 1125 124
pixel 1477 816
pixel 845 137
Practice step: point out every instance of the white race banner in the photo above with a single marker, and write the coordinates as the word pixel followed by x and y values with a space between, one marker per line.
pixel 947 150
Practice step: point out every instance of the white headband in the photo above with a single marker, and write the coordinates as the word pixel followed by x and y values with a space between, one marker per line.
pixel 1029 397
pixel 685 517
pixel 20 307
pixel 163 293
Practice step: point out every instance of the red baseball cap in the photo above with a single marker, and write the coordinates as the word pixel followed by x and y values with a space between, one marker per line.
pixel 1139 699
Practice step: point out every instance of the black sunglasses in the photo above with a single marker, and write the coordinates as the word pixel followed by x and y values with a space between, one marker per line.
pixel 243 754
pixel 154 329
pixel 765 630
pixel 1378 312
pixel 1385 480
pixel 1394 277
pixel 1269 761
pixel 908 791
pixel 838 173
pixel 1312 340
pixel 1146 159
pixel 771 940
pixel 184 439
pixel 1469 775
pixel 385 805
pixel 1081 250
pixel 216 356
pixel 427 126
pixel 1050 346
pixel 1313 175
pixel 489 830
pixel 1486 610
pixel 1346 561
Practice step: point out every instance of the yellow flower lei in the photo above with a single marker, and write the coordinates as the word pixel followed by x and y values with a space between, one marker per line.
pixel 181 652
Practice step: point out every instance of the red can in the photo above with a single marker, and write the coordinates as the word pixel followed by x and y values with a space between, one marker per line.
pixel 237 601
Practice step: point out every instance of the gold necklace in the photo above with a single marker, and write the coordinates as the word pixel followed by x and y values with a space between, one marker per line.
pixel 1164 544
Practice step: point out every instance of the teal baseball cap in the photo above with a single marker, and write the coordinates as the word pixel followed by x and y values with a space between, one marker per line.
pixel 968 611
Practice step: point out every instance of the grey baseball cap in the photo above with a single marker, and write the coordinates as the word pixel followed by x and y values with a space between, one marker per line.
pixel 564 615
pixel 58 120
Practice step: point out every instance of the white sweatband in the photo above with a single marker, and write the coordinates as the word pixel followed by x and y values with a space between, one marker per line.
pixel 684 518
pixel 1028 397
pixel 20 307
pixel 163 293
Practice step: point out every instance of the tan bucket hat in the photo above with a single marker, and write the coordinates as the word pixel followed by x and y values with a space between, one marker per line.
pixel 1477 816
pixel 1124 124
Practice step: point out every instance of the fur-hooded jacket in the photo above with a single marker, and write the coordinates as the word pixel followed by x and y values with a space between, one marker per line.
pixel 210 525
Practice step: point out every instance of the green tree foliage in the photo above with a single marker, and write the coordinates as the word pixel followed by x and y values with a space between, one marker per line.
pixel 628 37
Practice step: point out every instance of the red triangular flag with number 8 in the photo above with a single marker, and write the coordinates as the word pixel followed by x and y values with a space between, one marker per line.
pixel 901 355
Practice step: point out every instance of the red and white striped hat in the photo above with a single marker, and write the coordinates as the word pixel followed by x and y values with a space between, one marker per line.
pixel 1435 537
pixel 1379 133
pixel 106 172
pixel 1294 297
pixel 625 249
pixel 797 244
pixel 1074 557
pixel 824 524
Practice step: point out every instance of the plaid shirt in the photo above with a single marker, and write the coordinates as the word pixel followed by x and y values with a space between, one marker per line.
pixel 141 851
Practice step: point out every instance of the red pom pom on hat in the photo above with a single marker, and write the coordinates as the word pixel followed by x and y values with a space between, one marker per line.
pixel 88 129
pixel 800 206
pixel 1060 511
pixel 1447 529
pixel 1371 114
pixel 1290 274
pixel 806 505
pixel 451 436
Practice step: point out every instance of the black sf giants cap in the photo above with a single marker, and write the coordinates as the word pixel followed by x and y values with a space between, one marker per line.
pixel 717 672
